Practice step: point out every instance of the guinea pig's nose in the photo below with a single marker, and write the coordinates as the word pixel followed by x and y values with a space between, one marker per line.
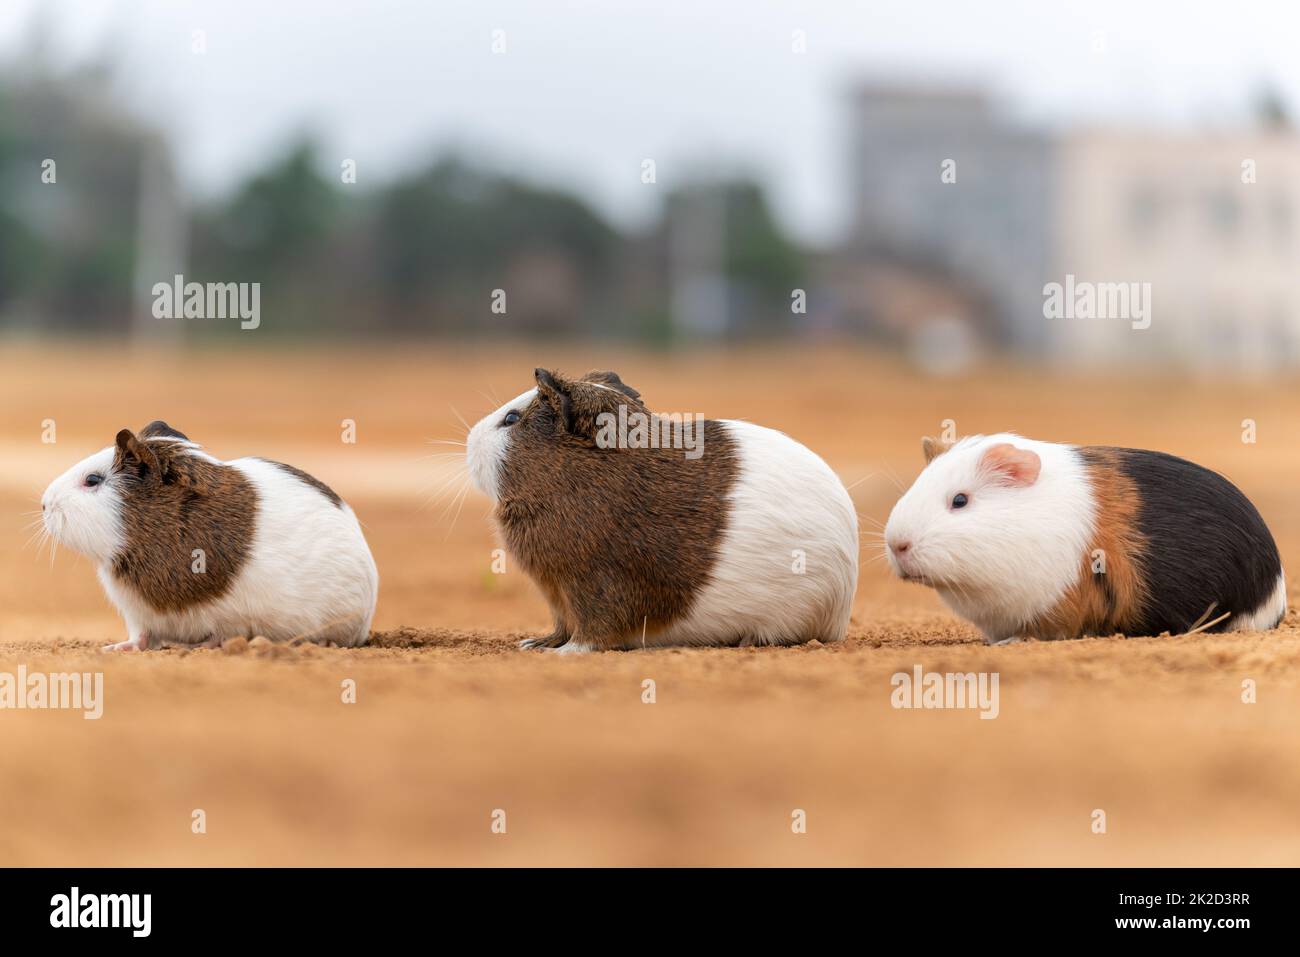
pixel 900 547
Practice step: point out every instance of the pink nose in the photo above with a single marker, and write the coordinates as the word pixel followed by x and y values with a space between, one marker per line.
pixel 900 547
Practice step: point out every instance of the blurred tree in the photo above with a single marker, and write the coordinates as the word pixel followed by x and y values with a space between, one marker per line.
pixel 66 232
pixel 451 249
pixel 277 220
pixel 281 229
pixel 758 252
pixel 450 235
pixel 723 235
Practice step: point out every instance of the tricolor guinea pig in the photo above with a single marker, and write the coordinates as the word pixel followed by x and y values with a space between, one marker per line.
pixel 193 550
pixel 743 538
pixel 1034 539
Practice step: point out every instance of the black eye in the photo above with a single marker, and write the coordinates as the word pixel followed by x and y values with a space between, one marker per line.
pixel 959 500
pixel 93 479
pixel 511 418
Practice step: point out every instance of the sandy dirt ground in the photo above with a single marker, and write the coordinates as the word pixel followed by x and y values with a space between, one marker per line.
pixel 452 723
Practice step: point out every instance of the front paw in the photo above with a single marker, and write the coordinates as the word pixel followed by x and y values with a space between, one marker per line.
pixel 138 643
pixel 551 642
pixel 1013 640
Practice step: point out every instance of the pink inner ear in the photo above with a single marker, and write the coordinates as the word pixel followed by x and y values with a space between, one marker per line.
pixel 1013 466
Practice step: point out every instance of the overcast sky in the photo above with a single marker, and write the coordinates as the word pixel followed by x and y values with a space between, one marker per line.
pixel 585 91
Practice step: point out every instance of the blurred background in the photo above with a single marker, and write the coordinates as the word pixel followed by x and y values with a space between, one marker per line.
pixel 833 219
pixel 663 174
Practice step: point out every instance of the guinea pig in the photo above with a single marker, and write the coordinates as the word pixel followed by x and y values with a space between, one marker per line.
pixel 1034 539
pixel 745 537
pixel 192 550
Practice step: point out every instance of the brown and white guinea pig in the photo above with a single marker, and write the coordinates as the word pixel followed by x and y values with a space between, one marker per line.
pixel 193 550
pixel 1034 539
pixel 752 540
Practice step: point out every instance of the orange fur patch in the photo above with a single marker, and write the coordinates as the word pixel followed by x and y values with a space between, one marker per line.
pixel 933 448
pixel 1110 592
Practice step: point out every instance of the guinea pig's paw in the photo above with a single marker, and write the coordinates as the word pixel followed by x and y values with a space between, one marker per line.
pixel 138 643
pixel 572 647
pixel 1013 640
pixel 544 642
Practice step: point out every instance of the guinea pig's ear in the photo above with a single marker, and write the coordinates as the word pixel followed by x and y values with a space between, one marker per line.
pixel 579 404
pixel 1011 466
pixel 933 448
pixel 133 453
pixel 612 380
pixel 160 429
pixel 555 393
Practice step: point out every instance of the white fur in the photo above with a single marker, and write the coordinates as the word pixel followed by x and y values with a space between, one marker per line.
pixel 786 501
pixel 571 647
pixel 1267 615
pixel 309 572
pixel 1012 552
pixel 87 520
pixel 485 449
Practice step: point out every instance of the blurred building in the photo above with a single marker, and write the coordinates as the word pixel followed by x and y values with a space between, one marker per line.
pixel 1208 220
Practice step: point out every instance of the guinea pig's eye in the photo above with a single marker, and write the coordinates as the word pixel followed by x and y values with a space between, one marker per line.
pixel 93 479
pixel 511 418
pixel 959 500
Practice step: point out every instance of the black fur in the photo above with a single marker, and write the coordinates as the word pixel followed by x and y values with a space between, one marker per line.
pixel 160 429
pixel 612 380
pixel 1205 543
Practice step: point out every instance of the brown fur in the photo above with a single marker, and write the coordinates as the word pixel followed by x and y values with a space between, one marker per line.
pixel 617 539
pixel 933 448
pixel 1110 602
pixel 176 502
pixel 158 429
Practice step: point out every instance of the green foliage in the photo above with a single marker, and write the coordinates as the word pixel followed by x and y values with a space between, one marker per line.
pixel 757 251
pixel 278 220
pixel 449 233
pixel 66 248
pixel 420 254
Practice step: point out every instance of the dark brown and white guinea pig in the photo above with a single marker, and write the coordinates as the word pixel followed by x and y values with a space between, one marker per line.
pixel 1034 539
pixel 750 540
pixel 193 550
